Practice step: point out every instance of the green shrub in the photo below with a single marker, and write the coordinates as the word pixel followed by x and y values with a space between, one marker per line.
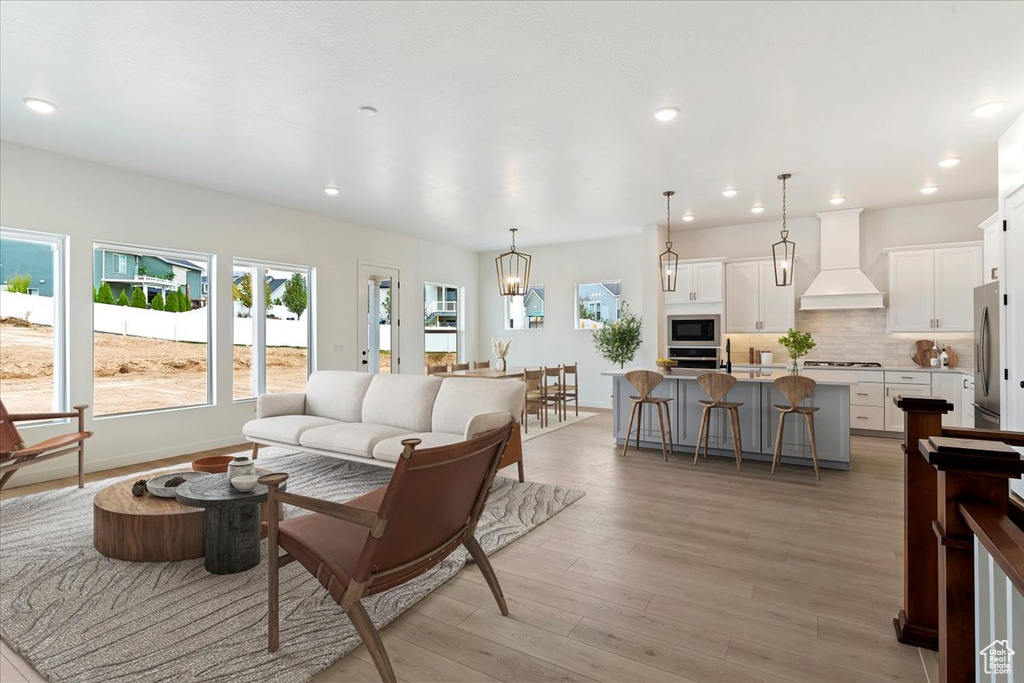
pixel 95 296
pixel 618 341
pixel 138 299
pixel 19 283
pixel 184 303
pixel 157 304
pixel 171 302
pixel 105 295
pixel 123 299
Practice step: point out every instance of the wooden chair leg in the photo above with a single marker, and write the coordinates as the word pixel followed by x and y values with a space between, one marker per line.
pixel 734 426
pixel 478 555
pixel 668 419
pixel 778 441
pixel 522 479
pixel 371 638
pixel 81 464
pixel 707 433
pixel 629 430
pixel 273 580
pixel 5 477
pixel 700 433
pixel 814 443
pixel 661 429
pixel 639 422
pixel 255 450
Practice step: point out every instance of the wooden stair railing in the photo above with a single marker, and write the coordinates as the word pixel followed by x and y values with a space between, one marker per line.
pixel 974 500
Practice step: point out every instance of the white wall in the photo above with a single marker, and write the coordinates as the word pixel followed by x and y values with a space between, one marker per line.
pixel 91 202
pixel 559 268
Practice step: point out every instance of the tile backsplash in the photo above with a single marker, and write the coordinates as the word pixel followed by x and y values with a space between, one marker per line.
pixel 854 335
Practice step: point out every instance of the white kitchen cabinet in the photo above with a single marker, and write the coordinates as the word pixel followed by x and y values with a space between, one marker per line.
pixel 753 303
pixel 697 282
pixel 932 289
pixel 893 415
pixel 950 386
pixel 967 401
pixel 993 249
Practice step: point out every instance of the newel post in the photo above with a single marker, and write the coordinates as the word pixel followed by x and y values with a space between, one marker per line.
pixel 917 623
pixel 968 470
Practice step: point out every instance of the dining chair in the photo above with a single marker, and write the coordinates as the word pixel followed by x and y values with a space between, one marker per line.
pixel 436 369
pixel 644 382
pixel 534 398
pixel 481 364
pixel 717 385
pixel 553 392
pixel 383 539
pixel 459 366
pixel 14 454
pixel 796 388
pixel 570 388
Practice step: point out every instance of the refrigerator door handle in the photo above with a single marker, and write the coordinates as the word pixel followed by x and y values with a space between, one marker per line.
pixel 984 350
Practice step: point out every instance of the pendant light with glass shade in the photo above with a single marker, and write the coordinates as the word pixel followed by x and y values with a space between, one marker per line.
pixel 784 251
pixel 668 262
pixel 513 270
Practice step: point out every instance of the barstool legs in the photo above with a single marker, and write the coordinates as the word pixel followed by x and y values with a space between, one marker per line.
pixel 629 430
pixel 814 443
pixel 737 444
pixel 778 441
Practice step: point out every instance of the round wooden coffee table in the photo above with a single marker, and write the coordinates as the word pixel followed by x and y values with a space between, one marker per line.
pixel 146 529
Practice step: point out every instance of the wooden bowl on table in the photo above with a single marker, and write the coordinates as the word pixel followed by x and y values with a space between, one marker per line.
pixel 214 464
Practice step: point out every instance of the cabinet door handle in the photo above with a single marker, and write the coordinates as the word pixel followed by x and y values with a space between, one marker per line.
pixel 861 417
pixel 860 393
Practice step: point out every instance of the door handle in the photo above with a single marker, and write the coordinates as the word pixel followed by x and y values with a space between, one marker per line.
pixel 366 362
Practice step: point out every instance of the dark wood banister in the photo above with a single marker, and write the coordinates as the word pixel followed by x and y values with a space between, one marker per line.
pixel 1002 538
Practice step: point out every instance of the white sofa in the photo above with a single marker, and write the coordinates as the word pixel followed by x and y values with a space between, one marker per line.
pixel 364 417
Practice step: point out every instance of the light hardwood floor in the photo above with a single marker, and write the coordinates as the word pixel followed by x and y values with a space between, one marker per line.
pixel 670 572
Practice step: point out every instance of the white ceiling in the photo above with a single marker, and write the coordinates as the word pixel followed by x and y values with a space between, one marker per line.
pixel 537 115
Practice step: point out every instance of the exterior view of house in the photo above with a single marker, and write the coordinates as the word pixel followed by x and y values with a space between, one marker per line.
pixel 440 306
pixel 27 258
pixel 599 301
pixel 124 270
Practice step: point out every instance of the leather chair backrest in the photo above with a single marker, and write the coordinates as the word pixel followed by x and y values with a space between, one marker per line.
pixel 433 500
pixel 10 439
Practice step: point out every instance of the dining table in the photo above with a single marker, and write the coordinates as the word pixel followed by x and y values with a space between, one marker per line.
pixel 485 373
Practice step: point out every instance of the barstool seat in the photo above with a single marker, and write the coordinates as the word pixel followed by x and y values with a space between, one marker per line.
pixel 644 382
pixel 717 385
pixel 796 388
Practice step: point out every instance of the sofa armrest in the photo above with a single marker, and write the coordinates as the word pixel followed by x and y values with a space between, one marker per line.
pixel 485 422
pixel 271 405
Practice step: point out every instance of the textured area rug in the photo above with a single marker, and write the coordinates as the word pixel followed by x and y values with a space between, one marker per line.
pixel 76 615
pixel 554 425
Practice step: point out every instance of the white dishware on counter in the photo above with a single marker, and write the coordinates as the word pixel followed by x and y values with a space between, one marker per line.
pixel 767 357
pixel 245 482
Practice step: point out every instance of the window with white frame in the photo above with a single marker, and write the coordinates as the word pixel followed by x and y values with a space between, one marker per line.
pixel 151 329
pixel 525 312
pixel 272 328
pixel 32 330
pixel 597 303
pixel 442 323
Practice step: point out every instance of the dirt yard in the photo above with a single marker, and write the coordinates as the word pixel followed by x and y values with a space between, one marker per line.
pixel 131 373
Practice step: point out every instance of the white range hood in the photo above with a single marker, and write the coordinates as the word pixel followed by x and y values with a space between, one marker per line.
pixel 840 284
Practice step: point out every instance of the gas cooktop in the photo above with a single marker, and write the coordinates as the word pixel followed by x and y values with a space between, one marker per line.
pixel 840 364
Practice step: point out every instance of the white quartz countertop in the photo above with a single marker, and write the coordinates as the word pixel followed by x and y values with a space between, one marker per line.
pixel 960 369
pixel 762 377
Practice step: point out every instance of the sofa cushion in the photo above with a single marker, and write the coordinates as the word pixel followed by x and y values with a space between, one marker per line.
pixel 283 428
pixel 390 450
pixel 402 401
pixel 337 394
pixel 460 398
pixel 351 439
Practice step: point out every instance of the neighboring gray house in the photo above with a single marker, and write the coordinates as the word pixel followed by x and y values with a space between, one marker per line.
pixel 533 307
pixel 599 301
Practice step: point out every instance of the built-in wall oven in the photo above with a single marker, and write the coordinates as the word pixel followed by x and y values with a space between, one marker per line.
pixel 701 357
pixel 694 330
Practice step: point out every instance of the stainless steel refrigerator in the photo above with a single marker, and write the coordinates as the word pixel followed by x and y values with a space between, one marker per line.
pixel 986 356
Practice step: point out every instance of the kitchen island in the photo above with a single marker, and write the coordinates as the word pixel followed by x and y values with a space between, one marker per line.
pixel 758 419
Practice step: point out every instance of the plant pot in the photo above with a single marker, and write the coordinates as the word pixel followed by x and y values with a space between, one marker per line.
pixel 793 367
pixel 500 365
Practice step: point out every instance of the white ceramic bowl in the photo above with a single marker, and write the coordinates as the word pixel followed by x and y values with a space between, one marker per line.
pixel 245 483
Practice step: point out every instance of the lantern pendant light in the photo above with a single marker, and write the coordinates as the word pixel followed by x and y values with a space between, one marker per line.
pixel 668 262
pixel 513 270
pixel 784 251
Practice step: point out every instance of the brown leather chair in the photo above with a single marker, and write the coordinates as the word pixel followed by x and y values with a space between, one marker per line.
pixel 383 539
pixel 14 454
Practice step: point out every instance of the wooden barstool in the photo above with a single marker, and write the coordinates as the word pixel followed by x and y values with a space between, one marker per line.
pixel 796 388
pixel 644 381
pixel 717 385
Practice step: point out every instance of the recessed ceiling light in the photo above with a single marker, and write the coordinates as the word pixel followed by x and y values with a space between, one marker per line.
pixel 688 218
pixel 929 189
pixel 731 192
pixel 757 209
pixel 368 111
pixel 40 106
pixel 332 191
pixel 837 200
pixel 987 109
pixel 666 114
pixel 949 162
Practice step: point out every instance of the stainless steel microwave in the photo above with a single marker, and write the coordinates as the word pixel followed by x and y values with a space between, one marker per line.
pixel 694 330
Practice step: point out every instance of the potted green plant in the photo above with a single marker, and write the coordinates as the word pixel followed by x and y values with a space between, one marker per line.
pixel 619 340
pixel 798 344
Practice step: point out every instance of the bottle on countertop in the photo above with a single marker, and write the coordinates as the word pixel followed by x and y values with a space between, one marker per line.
pixel 934 356
pixel 944 358
pixel 728 356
